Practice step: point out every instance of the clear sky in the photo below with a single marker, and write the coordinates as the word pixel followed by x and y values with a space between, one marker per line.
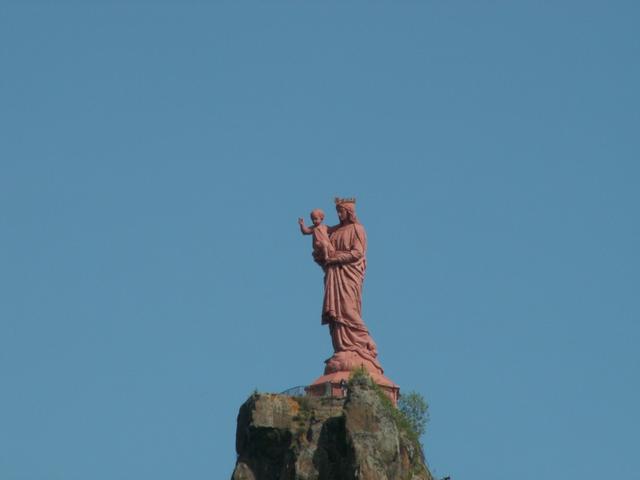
pixel 154 159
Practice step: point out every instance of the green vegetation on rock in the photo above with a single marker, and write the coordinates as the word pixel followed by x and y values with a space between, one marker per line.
pixel 416 410
pixel 410 417
pixel 412 413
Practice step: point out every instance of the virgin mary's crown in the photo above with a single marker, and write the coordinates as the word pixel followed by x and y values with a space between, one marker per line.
pixel 340 201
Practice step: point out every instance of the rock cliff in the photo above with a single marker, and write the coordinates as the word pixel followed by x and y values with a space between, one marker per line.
pixel 311 438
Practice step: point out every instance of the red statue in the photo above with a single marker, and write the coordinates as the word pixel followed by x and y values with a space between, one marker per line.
pixel 341 252
pixel 322 247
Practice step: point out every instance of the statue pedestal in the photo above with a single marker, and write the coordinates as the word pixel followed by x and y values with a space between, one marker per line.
pixel 335 385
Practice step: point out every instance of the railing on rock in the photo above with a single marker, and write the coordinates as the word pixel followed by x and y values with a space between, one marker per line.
pixel 320 390
pixel 299 391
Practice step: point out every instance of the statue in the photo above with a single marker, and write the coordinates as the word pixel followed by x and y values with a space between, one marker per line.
pixel 341 252
pixel 322 247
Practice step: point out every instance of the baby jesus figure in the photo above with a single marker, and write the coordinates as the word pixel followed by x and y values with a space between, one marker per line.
pixel 322 248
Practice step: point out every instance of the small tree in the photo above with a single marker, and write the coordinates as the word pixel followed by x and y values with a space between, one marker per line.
pixel 416 410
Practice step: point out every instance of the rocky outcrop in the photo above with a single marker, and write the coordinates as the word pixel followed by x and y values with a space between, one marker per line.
pixel 310 438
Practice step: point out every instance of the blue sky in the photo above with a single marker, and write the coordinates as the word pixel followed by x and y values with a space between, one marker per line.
pixel 154 159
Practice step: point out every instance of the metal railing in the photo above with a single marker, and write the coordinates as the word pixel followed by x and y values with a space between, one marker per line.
pixel 329 391
pixel 299 391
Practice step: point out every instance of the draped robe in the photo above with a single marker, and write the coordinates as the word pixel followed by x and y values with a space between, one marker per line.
pixel 342 306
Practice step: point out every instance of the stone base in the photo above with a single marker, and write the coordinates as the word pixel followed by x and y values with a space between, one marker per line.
pixel 279 436
pixel 334 385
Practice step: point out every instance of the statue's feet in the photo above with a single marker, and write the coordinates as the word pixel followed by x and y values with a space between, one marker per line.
pixel 348 361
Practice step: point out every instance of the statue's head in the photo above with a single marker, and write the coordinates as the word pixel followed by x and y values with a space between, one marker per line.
pixel 317 216
pixel 346 208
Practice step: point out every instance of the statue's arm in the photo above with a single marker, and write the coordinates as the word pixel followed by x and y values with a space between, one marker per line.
pixel 304 229
pixel 343 257
pixel 348 256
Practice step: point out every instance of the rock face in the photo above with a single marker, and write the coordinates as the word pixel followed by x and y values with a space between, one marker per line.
pixel 310 438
